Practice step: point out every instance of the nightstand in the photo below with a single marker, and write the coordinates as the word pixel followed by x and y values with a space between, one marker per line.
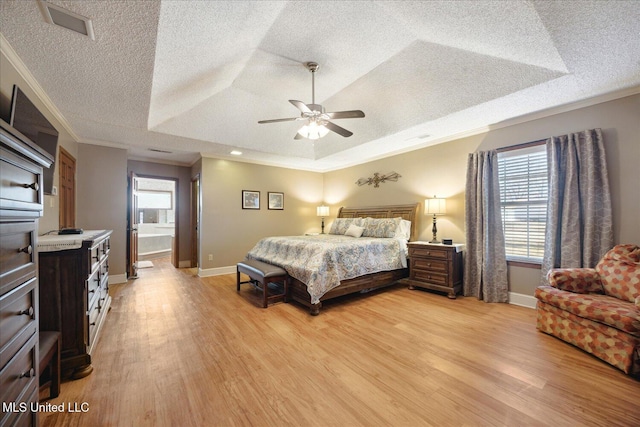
pixel 435 266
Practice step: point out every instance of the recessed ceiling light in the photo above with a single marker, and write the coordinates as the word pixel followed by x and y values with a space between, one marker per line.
pixel 236 153
pixel 64 18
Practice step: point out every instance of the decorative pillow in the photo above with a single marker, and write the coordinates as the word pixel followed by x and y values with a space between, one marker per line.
pixel 381 227
pixel 340 225
pixel 404 230
pixel 354 231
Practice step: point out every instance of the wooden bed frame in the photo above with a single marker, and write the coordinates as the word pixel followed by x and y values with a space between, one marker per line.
pixel 298 290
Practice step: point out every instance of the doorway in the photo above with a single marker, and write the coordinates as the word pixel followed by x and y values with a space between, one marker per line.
pixel 156 216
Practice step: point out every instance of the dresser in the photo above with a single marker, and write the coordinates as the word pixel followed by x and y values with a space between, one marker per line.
pixel 21 204
pixel 74 294
pixel 435 266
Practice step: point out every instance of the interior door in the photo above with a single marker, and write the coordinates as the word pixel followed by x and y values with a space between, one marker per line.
pixel 67 209
pixel 132 227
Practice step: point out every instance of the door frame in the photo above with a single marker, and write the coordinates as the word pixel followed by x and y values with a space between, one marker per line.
pixel 194 225
pixel 175 256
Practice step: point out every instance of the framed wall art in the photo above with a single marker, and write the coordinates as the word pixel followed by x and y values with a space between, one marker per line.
pixel 276 201
pixel 250 199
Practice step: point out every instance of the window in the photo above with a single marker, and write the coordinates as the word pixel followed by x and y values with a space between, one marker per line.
pixel 523 201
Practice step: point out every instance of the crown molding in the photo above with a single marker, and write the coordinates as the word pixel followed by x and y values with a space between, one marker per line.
pixel 33 84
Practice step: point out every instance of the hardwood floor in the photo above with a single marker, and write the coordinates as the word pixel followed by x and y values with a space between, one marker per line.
pixel 189 351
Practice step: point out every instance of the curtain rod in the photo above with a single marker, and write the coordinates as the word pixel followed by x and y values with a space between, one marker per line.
pixel 523 145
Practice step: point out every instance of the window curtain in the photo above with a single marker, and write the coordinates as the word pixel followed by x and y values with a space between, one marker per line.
pixel 485 266
pixel 579 220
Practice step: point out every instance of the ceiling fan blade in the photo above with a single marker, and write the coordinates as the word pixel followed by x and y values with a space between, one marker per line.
pixel 298 136
pixel 337 129
pixel 352 114
pixel 290 119
pixel 300 106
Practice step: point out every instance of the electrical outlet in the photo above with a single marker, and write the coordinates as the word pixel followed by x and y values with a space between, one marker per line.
pixel 210 257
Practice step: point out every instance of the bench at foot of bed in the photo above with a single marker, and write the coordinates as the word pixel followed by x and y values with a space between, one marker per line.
pixel 262 273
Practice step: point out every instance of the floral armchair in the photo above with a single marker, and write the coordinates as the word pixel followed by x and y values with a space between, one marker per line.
pixel 597 309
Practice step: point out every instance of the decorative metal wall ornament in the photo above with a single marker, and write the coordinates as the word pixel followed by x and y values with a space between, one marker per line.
pixel 377 179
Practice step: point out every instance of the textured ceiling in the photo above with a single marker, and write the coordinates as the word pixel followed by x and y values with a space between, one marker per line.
pixel 194 77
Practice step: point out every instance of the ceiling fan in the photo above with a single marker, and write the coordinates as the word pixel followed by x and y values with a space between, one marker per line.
pixel 317 120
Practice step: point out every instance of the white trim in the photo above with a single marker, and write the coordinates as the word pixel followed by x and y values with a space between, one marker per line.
pixel 219 271
pixel 522 300
pixel 24 72
pixel 117 278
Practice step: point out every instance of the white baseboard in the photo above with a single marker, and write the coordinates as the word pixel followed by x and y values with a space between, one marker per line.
pixel 219 271
pixel 522 300
pixel 117 278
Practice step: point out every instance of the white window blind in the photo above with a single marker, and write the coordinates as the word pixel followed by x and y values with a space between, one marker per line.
pixel 523 201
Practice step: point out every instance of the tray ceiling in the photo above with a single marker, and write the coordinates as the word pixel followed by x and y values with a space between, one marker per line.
pixel 194 77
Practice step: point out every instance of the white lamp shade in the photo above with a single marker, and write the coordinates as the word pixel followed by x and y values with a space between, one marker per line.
pixel 313 130
pixel 322 211
pixel 435 206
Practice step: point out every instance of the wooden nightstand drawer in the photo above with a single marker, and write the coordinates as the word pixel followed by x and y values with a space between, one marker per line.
pixel 427 251
pixel 433 265
pixel 431 277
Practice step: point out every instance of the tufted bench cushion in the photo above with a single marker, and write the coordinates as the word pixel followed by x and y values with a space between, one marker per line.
pixel 263 273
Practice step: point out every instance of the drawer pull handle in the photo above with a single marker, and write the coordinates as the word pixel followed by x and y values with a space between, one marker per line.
pixel 33 186
pixel 26 249
pixel 92 291
pixel 28 312
pixel 29 374
pixel 92 324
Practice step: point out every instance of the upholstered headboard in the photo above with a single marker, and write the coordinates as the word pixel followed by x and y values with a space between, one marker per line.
pixel 408 212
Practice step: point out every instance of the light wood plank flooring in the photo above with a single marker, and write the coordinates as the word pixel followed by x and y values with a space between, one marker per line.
pixel 178 350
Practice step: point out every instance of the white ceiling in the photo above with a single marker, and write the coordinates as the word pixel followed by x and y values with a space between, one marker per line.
pixel 194 77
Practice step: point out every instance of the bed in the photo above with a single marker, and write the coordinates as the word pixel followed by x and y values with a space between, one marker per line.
pixel 312 281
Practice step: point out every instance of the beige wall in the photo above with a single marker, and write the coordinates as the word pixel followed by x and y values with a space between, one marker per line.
pixel 101 188
pixel 183 175
pixel 228 232
pixel 441 170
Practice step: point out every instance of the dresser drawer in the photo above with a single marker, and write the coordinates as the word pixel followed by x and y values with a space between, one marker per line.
pixel 18 319
pixel 433 265
pixel 17 254
pixel 422 252
pixel 93 317
pixel 20 185
pixel 93 288
pixel 21 415
pixel 20 373
pixel 430 277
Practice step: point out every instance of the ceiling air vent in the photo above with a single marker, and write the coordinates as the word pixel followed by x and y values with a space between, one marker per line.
pixel 64 18
pixel 159 151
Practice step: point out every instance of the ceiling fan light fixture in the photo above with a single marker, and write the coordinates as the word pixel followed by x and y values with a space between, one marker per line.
pixel 313 130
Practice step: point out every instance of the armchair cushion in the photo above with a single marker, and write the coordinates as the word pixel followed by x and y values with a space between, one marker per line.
pixel 598 308
pixel 578 280
pixel 619 272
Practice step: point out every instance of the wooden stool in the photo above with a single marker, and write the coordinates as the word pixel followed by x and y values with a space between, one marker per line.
pixel 50 357
pixel 263 273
